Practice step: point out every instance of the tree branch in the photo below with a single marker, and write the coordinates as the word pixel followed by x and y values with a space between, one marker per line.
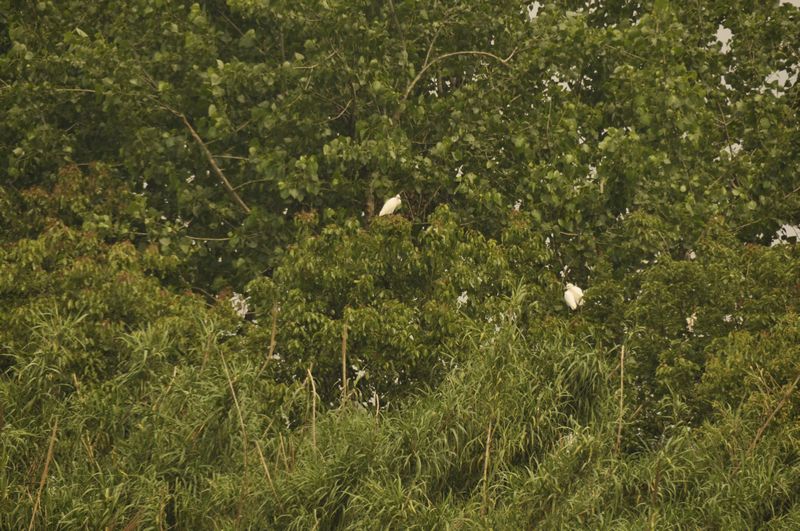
pixel 399 27
pixel 212 161
pixel 442 57
pixel 204 147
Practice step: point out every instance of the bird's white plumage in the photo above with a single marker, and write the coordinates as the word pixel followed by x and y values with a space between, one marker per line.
pixel 390 205
pixel 569 298
pixel 691 321
pixel 578 292
pixel 573 296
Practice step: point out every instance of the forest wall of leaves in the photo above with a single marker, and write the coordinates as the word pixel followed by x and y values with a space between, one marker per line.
pixel 160 157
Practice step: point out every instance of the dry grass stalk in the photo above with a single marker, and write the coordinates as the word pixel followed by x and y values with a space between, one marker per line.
pixel 777 408
pixel 621 397
pixel 45 471
pixel 486 456
pixel 241 427
pixel 272 340
pixel 313 409
pixel 344 363
pixel 266 470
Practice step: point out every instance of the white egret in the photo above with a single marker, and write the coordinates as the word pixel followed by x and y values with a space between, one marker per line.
pixel 390 205
pixel 573 296
pixel 691 321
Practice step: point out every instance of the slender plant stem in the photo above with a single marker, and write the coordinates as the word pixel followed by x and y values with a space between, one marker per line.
pixel 621 397
pixel 777 408
pixel 313 409
pixel 241 427
pixel 486 457
pixel 344 363
pixel 266 471
pixel 283 454
pixel 272 340
pixel 45 471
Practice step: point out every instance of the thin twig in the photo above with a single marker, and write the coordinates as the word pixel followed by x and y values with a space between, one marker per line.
pixel 621 397
pixel 254 181
pixel 71 89
pixel 792 192
pixel 45 471
pixel 431 45
pixel 344 110
pixel 724 123
pixel 623 51
pixel 759 220
pixel 207 239
pixel 399 27
pixel 442 57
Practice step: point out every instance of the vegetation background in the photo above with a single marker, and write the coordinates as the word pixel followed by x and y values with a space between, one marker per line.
pixel 204 326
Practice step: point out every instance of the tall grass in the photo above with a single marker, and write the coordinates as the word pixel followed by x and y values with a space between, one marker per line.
pixel 521 433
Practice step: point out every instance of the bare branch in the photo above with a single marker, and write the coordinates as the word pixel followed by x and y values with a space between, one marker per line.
pixel 207 239
pixel 442 57
pixel 212 161
pixel 399 27
pixel 344 110
pixel 430 47
pixel 207 152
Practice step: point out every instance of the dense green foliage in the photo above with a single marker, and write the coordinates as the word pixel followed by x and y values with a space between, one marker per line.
pixel 162 159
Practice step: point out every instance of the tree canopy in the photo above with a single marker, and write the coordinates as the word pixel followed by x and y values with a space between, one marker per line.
pixel 205 324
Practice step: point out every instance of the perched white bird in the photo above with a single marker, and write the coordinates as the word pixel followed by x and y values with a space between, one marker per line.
pixel 390 205
pixel 573 296
pixel 691 321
